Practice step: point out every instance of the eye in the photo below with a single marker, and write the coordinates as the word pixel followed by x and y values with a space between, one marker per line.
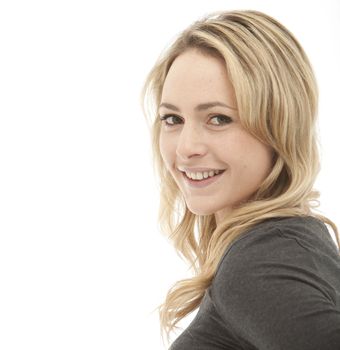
pixel 166 117
pixel 225 119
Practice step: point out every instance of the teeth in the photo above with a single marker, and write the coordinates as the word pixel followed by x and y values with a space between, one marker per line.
pixel 201 175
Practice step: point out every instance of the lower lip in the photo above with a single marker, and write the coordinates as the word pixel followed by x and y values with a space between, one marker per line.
pixel 202 183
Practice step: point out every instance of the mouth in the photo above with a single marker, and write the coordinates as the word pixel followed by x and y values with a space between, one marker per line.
pixel 217 172
pixel 203 182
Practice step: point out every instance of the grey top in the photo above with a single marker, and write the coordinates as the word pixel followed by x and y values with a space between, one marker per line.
pixel 277 287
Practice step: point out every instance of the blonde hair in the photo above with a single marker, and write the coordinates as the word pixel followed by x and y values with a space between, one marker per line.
pixel 277 99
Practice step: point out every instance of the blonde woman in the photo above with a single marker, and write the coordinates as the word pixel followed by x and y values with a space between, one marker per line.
pixel 234 105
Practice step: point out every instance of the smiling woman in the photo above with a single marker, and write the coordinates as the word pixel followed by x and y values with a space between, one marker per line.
pixel 198 146
pixel 235 145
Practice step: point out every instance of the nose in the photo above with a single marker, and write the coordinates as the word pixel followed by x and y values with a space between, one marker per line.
pixel 190 142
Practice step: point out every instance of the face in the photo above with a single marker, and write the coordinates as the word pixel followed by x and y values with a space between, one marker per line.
pixel 198 134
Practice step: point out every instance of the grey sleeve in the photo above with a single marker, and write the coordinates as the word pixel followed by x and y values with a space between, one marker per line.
pixel 274 294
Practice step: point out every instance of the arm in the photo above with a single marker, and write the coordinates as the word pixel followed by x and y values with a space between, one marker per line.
pixel 272 292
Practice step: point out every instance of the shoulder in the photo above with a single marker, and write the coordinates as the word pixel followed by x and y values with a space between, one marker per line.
pixel 281 270
pixel 281 254
pixel 282 238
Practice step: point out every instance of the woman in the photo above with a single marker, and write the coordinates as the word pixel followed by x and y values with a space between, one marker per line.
pixel 235 146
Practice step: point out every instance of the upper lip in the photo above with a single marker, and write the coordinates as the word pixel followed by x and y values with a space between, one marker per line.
pixel 196 170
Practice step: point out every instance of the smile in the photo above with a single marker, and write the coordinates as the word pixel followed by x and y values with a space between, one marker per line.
pixel 203 182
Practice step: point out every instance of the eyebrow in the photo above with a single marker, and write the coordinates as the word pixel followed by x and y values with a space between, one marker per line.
pixel 200 107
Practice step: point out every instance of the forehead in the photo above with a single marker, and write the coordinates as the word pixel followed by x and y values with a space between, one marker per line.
pixel 195 74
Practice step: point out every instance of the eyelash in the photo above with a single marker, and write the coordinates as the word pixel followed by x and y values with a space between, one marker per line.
pixel 167 116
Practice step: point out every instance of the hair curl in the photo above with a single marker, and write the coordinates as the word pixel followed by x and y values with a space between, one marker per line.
pixel 277 97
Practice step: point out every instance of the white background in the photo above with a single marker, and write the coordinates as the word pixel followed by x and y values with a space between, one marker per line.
pixel 82 261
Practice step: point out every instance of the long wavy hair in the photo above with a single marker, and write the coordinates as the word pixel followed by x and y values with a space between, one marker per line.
pixel 277 99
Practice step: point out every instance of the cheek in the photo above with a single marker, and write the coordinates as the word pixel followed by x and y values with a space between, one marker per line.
pixel 166 150
pixel 260 161
pixel 162 148
pixel 250 156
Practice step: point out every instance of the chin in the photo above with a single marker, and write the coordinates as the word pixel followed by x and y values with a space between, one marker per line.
pixel 201 211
